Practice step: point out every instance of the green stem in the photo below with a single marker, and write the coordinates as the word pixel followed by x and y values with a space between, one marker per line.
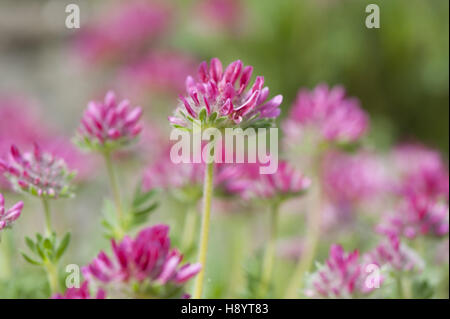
pixel 312 239
pixel 5 256
pixel 189 229
pixel 270 252
pixel 48 220
pixel 207 197
pixel 52 275
pixel 114 188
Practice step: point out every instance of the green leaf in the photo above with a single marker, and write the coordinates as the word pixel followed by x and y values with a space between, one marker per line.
pixel 142 198
pixel 30 260
pixel 202 115
pixel 30 243
pixel 62 246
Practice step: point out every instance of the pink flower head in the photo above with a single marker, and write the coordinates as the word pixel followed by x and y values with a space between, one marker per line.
pixel 80 293
pixel 342 276
pixel 349 178
pixel 417 215
pixel 336 117
pixel 25 126
pixel 147 259
pixel 38 173
pixel 246 180
pixel 222 98
pixel 109 125
pixel 393 253
pixel 421 170
pixel 123 31
pixel 7 217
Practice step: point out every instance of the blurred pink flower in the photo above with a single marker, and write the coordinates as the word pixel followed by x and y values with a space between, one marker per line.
pixel 225 105
pixel 246 180
pixel 395 254
pixel 342 276
pixel 25 126
pixel 38 173
pixel 123 31
pixel 80 293
pixel 165 174
pixel 145 259
pixel 109 125
pixel 158 71
pixel 350 178
pixel 224 14
pixel 336 117
pixel 7 217
pixel 416 215
pixel 422 171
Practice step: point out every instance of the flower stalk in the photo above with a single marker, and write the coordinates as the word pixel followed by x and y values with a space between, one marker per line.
pixel 269 255
pixel 114 189
pixel 204 235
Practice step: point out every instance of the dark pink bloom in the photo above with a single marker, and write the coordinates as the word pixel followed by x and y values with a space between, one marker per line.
pixel 417 215
pixel 327 111
pixel 123 31
pixel 109 125
pixel 342 276
pixel 38 173
pixel 222 98
pixel 349 178
pixel 421 170
pixel 159 71
pixel 7 217
pixel 147 259
pixel 246 180
pixel 393 253
pixel 80 293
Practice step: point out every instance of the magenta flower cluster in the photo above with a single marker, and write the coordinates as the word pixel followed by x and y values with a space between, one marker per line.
pixel 8 216
pixel 148 258
pixel 329 112
pixel 395 254
pixel 342 276
pixel 81 293
pixel 108 125
pixel 222 98
pixel 246 181
pixel 38 173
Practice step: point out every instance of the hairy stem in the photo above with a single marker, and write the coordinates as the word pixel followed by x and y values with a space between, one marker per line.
pixel 207 197
pixel 114 188
pixel 48 220
pixel 52 275
pixel 270 251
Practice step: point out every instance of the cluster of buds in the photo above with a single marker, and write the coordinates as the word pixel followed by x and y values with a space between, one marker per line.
pixel 146 260
pixel 81 293
pixel 342 276
pixel 217 101
pixel 7 217
pixel 329 112
pixel 393 253
pixel 108 125
pixel 38 173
